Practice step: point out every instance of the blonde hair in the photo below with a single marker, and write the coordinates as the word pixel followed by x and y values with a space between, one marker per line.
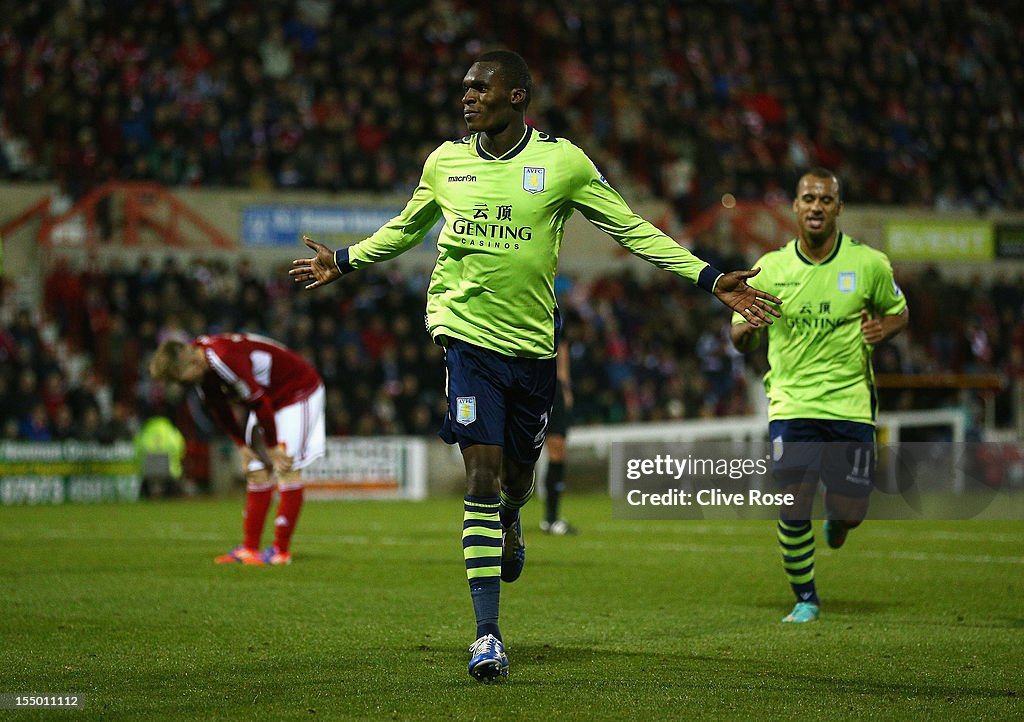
pixel 169 360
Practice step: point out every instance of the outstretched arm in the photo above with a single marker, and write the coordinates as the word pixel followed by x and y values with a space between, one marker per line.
pixel 317 271
pixel 404 231
pixel 755 306
pixel 602 206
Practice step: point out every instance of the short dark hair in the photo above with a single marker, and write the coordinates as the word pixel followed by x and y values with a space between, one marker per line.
pixel 825 173
pixel 513 70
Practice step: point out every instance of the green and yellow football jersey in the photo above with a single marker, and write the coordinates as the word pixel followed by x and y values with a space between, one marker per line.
pixel 493 283
pixel 820 364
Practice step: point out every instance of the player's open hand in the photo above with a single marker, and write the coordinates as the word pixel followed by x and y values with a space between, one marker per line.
pixel 318 270
pixel 755 306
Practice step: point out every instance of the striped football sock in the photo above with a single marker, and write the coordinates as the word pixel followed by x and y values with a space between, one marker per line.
pixel 481 547
pixel 510 505
pixel 797 541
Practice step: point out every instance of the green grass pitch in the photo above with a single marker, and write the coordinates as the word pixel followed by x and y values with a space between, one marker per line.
pixel 628 620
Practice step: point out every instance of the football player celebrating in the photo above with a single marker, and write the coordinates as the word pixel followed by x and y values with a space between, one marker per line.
pixel 505 192
pixel 283 430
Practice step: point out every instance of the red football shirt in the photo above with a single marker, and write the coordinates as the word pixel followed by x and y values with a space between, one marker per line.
pixel 257 372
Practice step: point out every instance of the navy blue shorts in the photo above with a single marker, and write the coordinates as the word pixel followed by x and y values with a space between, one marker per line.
pixel 497 400
pixel 840 454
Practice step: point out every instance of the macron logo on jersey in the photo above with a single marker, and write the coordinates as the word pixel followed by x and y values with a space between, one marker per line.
pixel 462 179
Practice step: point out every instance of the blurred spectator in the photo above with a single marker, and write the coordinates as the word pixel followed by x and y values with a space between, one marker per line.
pixel 159 451
pixel 63 423
pixel 34 424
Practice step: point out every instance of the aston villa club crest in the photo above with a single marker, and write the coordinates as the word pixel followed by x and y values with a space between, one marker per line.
pixel 847 281
pixel 533 180
pixel 465 409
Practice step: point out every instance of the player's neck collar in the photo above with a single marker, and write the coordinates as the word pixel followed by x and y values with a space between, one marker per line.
pixel 508 155
pixel 827 259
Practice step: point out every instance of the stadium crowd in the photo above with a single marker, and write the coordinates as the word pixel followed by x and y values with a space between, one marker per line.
pixel 642 349
pixel 915 102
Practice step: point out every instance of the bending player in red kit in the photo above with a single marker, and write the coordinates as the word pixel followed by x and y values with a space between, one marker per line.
pixel 283 397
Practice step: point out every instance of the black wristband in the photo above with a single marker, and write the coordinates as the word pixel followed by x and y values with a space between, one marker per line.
pixel 341 260
pixel 707 278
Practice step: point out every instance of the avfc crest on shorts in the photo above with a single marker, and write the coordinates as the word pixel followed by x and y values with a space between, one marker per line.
pixel 847 281
pixel 465 409
pixel 533 179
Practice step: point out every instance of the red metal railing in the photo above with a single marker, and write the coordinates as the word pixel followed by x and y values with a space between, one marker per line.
pixel 146 208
